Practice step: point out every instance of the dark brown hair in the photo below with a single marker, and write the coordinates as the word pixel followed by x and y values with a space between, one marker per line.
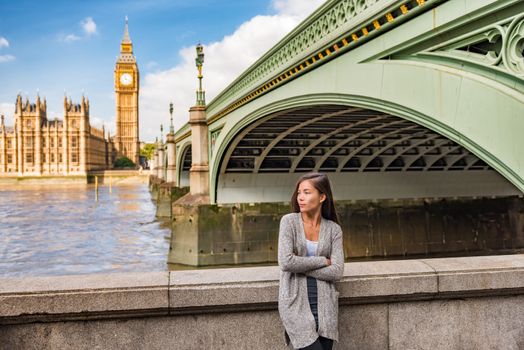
pixel 321 183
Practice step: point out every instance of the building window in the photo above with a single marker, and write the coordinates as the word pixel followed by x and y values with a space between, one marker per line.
pixel 9 143
pixel 59 157
pixel 74 157
pixel 9 159
pixel 52 157
pixel 52 142
pixel 28 141
pixel 43 142
pixel 59 142
pixel 28 123
pixel 29 157
pixel 73 142
pixel 73 124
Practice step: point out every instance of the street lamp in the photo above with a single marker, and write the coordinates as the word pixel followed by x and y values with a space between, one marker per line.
pixel 199 61
pixel 171 128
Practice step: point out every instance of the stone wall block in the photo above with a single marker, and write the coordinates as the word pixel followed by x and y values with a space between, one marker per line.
pixel 244 288
pixel 375 279
pixel 83 294
pixel 479 273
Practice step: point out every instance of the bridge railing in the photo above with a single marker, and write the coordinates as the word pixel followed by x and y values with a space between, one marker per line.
pixel 335 27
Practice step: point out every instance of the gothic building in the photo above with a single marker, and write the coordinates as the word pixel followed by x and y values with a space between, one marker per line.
pixel 36 146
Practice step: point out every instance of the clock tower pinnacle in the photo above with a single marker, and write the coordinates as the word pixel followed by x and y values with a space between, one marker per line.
pixel 126 90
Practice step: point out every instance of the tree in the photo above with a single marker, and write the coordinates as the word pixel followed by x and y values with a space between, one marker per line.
pixel 147 150
pixel 124 162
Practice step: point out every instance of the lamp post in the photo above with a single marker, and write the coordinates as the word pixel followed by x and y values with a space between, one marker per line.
pixel 170 149
pixel 171 127
pixel 199 61
pixel 161 155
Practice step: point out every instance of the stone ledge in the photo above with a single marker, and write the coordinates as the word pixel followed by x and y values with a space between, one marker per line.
pixel 380 279
pixel 120 295
pixel 224 287
pixel 479 274
pixel 83 294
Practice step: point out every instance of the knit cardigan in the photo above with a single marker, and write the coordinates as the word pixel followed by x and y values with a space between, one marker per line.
pixel 293 304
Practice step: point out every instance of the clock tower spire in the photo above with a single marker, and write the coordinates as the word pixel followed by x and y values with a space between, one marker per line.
pixel 126 90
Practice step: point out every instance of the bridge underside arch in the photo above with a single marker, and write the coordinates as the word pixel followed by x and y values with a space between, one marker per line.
pixel 184 165
pixel 368 154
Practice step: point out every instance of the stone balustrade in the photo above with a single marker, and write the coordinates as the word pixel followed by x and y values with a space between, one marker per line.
pixel 444 303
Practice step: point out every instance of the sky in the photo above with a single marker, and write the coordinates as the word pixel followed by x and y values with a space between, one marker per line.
pixel 68 48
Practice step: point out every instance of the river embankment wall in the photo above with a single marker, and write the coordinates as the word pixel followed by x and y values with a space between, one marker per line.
pixel 113 177
pixel 445 303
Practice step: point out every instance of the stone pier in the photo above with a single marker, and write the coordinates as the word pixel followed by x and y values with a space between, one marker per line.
pixel 248 233
pixel 473 303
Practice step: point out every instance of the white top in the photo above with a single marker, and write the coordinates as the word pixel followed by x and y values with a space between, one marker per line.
pixel 311 247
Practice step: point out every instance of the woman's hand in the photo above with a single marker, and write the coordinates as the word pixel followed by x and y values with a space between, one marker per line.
pixel 328 260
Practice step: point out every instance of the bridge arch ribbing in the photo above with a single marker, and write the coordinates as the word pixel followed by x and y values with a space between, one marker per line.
pixel 351 102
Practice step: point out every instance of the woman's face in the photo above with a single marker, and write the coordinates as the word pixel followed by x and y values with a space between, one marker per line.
pixel 309 198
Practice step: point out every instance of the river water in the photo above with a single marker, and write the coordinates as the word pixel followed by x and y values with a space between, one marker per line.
pixel 65 230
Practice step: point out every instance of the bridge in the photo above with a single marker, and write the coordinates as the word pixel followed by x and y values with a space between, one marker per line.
pixel 414 108
pixel 392 98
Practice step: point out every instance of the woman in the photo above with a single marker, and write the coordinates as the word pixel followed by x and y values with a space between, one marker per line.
pixel 311 256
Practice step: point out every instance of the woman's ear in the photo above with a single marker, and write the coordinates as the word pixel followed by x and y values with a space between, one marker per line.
pixel 322 197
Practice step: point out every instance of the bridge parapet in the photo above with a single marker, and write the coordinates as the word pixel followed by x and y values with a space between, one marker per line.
pixel 452 303
pixel 337 26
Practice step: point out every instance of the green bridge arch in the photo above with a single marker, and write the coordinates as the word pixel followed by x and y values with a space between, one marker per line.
pixel 484 116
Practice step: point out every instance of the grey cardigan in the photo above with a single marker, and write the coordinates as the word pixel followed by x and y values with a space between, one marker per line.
pixel 293 304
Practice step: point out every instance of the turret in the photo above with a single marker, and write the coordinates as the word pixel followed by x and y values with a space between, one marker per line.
pixel 84 106
pixel 18 108
pixel 39 106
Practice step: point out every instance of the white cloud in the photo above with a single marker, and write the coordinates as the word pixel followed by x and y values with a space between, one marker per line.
pixel 3 42
pixel 6 58
pixel 224 61
pixel 89 26
pixel 71 37
pixel 7 109
pixel 296 8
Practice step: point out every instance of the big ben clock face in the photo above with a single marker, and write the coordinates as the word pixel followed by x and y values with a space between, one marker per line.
pixel 126 79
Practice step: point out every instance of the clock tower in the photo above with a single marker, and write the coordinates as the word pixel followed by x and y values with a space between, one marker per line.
pixel 126 90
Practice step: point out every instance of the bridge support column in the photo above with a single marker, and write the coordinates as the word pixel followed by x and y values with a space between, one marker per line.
pixel 160 164
pixel 154 163
pixel 171 159
pixel 199 172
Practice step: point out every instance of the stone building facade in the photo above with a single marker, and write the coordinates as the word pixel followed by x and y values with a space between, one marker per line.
pixel 37 146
